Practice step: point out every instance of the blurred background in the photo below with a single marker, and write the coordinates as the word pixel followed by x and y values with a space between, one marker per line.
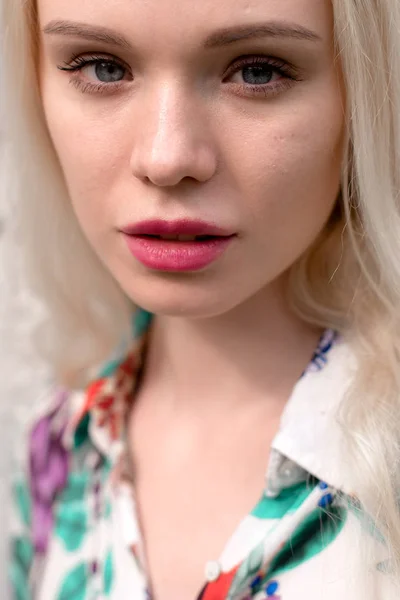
pixel 23 379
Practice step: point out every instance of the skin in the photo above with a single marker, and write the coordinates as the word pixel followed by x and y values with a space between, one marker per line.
pixel 183 136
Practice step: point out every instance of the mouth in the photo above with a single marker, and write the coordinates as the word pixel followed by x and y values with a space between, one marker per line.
pixel 177 246
pixel 180 237
pixel 183 230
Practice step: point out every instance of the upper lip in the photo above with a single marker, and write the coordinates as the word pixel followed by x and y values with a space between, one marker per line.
pixel 180 227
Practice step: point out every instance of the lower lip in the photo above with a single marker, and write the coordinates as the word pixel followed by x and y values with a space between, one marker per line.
pixel 166 255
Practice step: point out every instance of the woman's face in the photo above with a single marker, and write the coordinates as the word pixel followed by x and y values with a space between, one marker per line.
pixel 227 112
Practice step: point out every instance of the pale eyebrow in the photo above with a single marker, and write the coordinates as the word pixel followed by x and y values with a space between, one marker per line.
pixel 222 37
pixel 91 33
pixel 272 29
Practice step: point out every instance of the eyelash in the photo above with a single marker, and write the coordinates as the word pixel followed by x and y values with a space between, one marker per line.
pixel 278 66
pixel 286 70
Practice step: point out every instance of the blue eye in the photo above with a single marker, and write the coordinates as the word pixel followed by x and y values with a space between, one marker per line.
pixel 257 75
pixel 108 71
pixel 97 70
pixel 263 75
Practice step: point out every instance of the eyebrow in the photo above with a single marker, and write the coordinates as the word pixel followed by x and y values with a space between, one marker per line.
pixel 222 37
pixel 274 29
pixel 91 33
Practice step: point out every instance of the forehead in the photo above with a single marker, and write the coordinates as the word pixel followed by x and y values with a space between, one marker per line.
pixel 186 21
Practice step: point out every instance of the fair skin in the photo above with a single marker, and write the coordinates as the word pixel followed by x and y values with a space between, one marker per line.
pixel 183 135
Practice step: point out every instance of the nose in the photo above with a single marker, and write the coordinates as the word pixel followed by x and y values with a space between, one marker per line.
pixel 172 141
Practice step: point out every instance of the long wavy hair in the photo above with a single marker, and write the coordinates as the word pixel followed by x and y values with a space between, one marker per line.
pixel 348 280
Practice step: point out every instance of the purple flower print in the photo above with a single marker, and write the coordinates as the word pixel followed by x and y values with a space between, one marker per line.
pixel 48 474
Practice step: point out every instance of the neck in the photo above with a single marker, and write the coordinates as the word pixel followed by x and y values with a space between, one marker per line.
pixel 253 353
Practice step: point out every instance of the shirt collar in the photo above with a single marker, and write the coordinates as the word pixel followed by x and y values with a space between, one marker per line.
pixel 309 439
pixel 310 434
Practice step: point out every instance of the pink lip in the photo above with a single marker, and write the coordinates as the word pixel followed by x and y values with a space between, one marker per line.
pixel 174 255
pixel 184 226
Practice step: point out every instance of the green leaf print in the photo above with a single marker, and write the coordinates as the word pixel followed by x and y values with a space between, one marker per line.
pixel 19 584
pixel 82 432
pixel 74 586
pixel 71 515
pixel 249 568
pixel 71 525
pixel 108 574
pixel 287 501
pixel 107 510
pixel 313 536
pixel 23 501
pixel 76 487
pixel 22 552
pixel 109 369
pixel 140 322
pixel 22 555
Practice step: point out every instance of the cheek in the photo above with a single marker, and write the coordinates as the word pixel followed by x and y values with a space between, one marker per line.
pixel 92 173
pixel 291 176
pixel 89 160
pixel 93 150
pixel 291 180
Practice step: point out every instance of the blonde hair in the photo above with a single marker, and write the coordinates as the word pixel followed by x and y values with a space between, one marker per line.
pixel 349 280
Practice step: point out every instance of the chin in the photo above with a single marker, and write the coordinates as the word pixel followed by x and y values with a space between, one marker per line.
pixel 181 298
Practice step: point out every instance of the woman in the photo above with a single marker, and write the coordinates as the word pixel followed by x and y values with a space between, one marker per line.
pixel 227 173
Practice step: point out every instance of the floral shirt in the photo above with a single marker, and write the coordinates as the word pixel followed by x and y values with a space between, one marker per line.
pixel 76 534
